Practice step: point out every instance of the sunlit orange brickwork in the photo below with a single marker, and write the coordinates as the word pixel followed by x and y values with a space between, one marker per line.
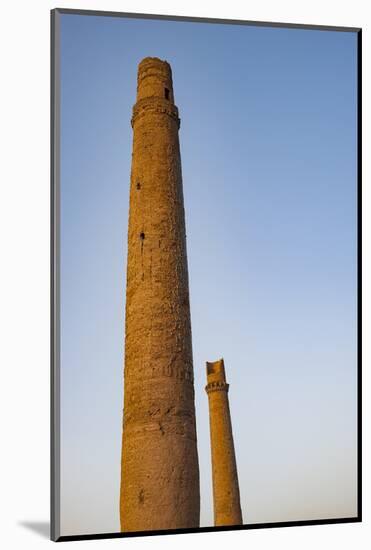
pixel 159 469
pixel 227 508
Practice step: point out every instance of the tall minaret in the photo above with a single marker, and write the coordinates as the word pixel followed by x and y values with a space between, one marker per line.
pixel 227 508
pixel 159 468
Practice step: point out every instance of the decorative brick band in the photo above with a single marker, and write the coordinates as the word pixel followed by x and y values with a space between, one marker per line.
pixel 217 386
pixel 154 105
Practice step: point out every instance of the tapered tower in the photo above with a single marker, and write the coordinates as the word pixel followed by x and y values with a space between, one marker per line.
pixel 159 469
pixel 227 508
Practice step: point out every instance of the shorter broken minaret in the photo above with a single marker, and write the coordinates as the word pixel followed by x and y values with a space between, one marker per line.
pixel 227 508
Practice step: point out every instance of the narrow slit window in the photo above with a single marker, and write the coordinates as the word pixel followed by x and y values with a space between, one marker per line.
pixel 167 93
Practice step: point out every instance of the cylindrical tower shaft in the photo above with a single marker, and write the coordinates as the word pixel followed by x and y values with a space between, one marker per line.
pixel 159 470
pixel 227 508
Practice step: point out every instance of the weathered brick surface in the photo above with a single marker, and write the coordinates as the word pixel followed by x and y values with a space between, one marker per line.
pixel 159 470
pixel 227 508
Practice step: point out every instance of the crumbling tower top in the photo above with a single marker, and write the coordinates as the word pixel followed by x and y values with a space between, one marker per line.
pixel 155 79
pixel 155 90
pixel 215 370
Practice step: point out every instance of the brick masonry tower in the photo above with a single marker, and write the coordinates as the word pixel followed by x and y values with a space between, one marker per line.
pixel 159 468
pixel 227 508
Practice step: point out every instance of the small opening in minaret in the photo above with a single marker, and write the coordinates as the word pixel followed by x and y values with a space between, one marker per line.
pixel 167 93
pixel 138 185
pixel 142 235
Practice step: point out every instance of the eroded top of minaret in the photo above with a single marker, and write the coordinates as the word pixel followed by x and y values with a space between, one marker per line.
pixel 215 370
pixel 155 79
pixel 154 61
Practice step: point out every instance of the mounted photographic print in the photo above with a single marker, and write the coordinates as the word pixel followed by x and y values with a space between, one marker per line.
pixel 205 275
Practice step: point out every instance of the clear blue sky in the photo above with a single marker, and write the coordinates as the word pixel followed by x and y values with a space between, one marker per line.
pixel 268 145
